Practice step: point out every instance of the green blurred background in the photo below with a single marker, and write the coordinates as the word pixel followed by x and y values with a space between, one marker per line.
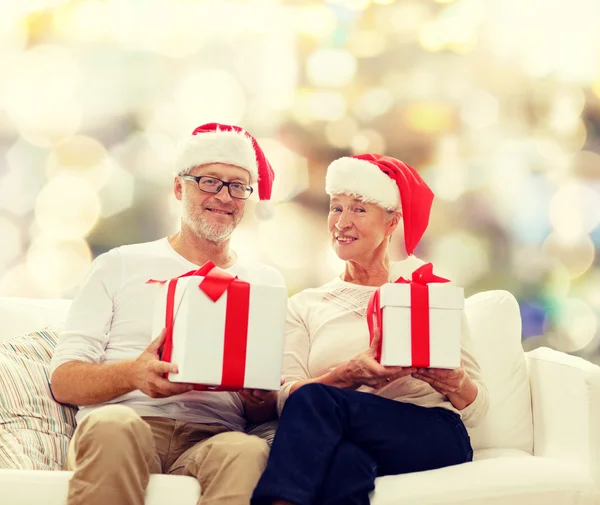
pixel 495 102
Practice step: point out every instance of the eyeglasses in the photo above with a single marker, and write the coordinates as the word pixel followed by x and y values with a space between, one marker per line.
pixel 213 185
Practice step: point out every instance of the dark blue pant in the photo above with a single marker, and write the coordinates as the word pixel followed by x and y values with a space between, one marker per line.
pixel 332 443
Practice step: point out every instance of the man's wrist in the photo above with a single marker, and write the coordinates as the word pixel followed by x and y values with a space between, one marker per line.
pixel 128 374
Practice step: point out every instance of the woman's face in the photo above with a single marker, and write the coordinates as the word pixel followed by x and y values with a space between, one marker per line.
pixel 359 229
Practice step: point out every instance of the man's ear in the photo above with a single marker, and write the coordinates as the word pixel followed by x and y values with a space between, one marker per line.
pixel 177 189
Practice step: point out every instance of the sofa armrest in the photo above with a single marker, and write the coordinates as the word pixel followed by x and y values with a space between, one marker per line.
pixel 565 395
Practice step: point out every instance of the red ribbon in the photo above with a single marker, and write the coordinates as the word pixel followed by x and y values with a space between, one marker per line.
pixel 419 314
pixel 215 283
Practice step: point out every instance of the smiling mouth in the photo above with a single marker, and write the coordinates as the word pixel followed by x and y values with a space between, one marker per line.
pixel 220 212
pixel 345 240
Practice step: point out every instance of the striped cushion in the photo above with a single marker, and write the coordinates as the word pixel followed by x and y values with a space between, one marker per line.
pixel 264 430
pixel 34 429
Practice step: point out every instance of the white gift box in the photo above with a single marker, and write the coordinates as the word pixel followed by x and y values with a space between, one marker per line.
pixel 199 334
pixel 446 303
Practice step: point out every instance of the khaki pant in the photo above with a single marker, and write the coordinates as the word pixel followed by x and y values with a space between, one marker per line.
pixel 114 451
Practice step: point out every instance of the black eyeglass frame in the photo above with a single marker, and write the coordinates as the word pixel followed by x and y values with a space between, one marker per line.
pixel 198 178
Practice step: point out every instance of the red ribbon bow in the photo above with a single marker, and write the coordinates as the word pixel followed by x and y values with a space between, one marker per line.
pixel 419 314
pixel 215 283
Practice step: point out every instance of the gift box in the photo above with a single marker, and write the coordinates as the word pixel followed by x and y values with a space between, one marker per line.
pixel 223 334
pixel 420 321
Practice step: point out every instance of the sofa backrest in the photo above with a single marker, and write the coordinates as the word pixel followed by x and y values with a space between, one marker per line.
pixel 495 323
pixel 24 315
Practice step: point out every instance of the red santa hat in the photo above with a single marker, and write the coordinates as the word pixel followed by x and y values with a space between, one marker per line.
pixel 387 182
pixel 221 143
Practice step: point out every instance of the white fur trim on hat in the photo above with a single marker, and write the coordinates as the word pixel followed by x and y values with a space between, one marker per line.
pixel 351 176
pixel 219 146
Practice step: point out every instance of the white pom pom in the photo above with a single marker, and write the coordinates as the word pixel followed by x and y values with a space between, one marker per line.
pixel 264 210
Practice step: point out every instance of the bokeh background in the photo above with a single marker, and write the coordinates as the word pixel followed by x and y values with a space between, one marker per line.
pixel 495 102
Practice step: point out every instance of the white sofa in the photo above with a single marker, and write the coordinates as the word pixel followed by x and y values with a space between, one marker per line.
pixel 539 444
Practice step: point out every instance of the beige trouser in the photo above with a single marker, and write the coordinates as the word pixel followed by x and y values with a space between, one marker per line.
pixel 114 451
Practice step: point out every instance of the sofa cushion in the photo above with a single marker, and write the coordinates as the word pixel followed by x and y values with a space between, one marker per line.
pixel 495 323
pixel 496 478
pixel 34 429
pixel 23 315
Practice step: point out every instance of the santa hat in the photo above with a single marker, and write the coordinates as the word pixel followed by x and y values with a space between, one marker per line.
pixel 388 183
pixel 221 143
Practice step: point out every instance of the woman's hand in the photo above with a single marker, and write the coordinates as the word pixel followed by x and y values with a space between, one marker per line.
pixel 365 370
pixel 456 384
pixel 442 380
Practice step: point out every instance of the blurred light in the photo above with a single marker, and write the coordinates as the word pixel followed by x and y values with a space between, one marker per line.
pixel 244 242
pixel 291 170
pixel 341 132
pixel 574 210
pixel 319 106
pixel 355 5
pixel 460 257
pixel 367 43
pixel 559 108
pixel 589 288
pixel 374 102
pixel 558 284
pixel 11 242
pixel 117 194
pixel 480 109
pixel 428 117
pixel 173 29
pixel 383 2
pixel 13 35
pixel 283 238
pixel 206 96
pixel 87 21
pixel 39 95
pixel 537 47
pixel 406 18
pixel 268 71
pixel 58 263
pixel 67 207
pixel 18 282
pixel 82 157
pixel 147 155
pixel 455 28
pixel 576 325
pixel 431 38
pixel 586 164
pixel 368 141
pixel 577 256
pixel 449 179
pixel 334 264
pixel 596 87
pixel 331 67
pixel 556 160
pixel 20 186
pixel 316 20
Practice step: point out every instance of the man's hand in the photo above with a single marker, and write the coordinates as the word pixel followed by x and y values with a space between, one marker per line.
pixel 259 405
pixel 147 372
pixel 257 397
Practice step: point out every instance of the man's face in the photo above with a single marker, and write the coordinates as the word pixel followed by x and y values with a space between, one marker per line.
pixel 212 216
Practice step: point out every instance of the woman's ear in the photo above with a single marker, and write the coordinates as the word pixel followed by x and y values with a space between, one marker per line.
pixel 393 224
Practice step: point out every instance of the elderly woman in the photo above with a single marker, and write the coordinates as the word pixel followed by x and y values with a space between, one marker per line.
pixel 347 419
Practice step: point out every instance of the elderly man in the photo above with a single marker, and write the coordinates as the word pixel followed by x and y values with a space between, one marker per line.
pixel 132 421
